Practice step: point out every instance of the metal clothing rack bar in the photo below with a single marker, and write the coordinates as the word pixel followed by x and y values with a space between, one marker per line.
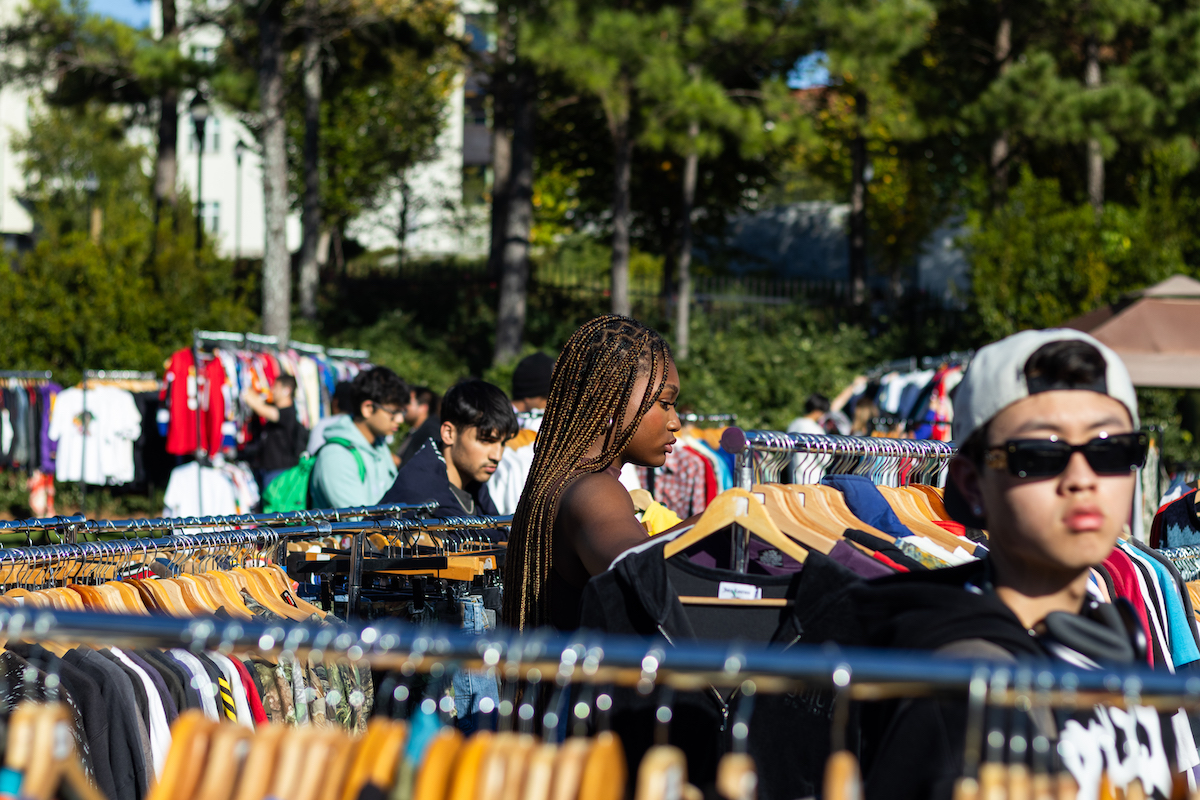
pixel 214 337
pixel 708 417
pixel 618 660
pixel 305 347
pixel 27 374
pixel 348 352
pixel 81 523
pixel 120 375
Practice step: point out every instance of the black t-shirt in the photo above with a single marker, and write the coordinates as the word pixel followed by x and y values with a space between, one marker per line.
pixel 280 442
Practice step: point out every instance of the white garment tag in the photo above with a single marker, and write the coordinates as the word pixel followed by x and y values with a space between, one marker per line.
pixel 738 591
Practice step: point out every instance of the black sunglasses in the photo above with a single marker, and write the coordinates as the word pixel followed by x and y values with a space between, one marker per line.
pixel 1045 458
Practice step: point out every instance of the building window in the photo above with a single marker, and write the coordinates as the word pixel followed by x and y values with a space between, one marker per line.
pixel 212 135
pixel 210 214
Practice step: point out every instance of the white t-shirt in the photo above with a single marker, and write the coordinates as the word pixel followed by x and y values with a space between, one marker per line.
pixel 184 498
pixel 115 426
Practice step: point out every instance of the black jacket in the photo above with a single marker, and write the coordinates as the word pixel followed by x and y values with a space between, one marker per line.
pixel 424 478
pixel 789 735
pixel 431 428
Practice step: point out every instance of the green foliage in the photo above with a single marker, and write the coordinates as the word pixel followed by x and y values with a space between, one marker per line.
pixel 1039 260
pixel 764 374
pixel 126 301
pixel 1175 412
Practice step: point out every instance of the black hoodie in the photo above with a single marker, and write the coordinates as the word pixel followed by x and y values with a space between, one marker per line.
pixel 914 749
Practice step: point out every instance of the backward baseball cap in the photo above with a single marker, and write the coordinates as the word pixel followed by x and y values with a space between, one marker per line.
pixel 996 378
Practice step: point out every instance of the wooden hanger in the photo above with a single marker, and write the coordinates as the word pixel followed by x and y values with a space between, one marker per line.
pixel 190 736
pixel 662 773
pixel 228 748
pixel 340 758
pixel 517 768
pixel 605 772
pixel 283 583
pixel 263 593
pixel 641 498
pixel 368 749
pixel 386 758
pixel 843 777
pixel 737 777
pixel 906 509
pixel 810 527
pixel 835 502
pixel 324 744
pixel 539 774
pixel 464 776
pixel 50 765
pixel 735 506
pixel 568 769
pixel 296 747
pixel 433 779
pixel 494 766
pixel 259 771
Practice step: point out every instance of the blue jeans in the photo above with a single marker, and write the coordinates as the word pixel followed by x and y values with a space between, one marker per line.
pixel 471 686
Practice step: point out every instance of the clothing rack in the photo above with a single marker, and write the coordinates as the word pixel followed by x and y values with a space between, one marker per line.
pixel 120 375
pixel 913 363
pixel 305 347
pixel 731 418
pixel 620 660
pixel 762 455
pixel 102 375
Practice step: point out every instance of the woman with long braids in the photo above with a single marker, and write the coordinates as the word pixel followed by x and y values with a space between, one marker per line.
pixel 612 402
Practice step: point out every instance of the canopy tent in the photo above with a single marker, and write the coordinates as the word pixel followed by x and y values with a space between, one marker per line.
pixel 1156 331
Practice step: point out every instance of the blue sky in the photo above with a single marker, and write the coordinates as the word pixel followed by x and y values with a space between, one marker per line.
pixel 134 13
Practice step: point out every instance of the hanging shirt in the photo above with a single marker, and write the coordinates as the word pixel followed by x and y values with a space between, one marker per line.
pixel 103 433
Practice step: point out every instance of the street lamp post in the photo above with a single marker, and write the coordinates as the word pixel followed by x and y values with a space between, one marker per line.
pixel 199 110
pixel 239 150
pixel 91 185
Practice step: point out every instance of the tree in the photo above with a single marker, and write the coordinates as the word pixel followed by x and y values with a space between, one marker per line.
pixel 602 51
pixel 120 303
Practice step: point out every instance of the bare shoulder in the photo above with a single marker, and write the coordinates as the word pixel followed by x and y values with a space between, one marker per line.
pixel 595 495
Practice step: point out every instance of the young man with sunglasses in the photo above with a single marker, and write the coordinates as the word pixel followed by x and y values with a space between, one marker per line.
pixel 1047 427
pixel 354 466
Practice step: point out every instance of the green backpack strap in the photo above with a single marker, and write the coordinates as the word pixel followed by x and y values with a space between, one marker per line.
pixel 346 443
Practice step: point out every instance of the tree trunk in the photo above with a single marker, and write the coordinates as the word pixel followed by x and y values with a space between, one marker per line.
pixel 1095 155
pixel 1000 150
pixel 858 207
pixel 683 307
pixel 310 269
pixel 166 167
pixel 514 260
pixel 403 231
pixel 622 169
pixel 277 273
pixel 502 140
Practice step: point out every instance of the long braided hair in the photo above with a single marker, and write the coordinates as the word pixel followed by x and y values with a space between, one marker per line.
pixel 593 383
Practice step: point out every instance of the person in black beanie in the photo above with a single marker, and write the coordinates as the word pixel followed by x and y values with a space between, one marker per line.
pixel 530 388
pixel 531 383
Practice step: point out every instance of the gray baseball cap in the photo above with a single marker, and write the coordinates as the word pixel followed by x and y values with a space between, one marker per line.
pixel 996 379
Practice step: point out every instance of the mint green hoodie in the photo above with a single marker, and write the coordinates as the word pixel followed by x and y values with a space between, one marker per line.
pixel 335 482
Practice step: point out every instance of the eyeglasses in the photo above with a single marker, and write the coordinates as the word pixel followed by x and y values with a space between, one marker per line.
pixel 391 412
pixel 1045 458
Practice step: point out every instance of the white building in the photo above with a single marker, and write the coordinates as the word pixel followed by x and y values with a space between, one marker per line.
pixel 442 221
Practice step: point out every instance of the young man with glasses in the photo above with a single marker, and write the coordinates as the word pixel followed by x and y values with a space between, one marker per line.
pixel 1047 426
pixel 354 466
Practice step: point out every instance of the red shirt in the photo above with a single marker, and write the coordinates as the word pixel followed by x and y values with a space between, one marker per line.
pixel 179 390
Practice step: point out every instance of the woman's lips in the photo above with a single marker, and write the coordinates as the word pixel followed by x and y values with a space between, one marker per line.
pixel 670 448
pixel 1082 520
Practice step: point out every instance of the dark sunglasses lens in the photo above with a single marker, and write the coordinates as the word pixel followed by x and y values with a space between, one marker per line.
pixel 1116 455
pixel 1037 459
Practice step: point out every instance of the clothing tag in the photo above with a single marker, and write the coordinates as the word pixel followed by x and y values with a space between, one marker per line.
pixel 287 598
pixel 738 591
pixel 760 496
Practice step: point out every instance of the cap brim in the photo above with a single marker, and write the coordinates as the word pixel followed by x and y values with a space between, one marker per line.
pixel 959 509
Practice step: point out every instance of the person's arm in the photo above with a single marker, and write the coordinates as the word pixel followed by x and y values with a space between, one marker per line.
pixel 597 516
pixel 837 403
pixel 260 406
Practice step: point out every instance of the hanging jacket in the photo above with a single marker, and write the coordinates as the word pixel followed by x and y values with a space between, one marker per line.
pixel 335 482
pixel 789 735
